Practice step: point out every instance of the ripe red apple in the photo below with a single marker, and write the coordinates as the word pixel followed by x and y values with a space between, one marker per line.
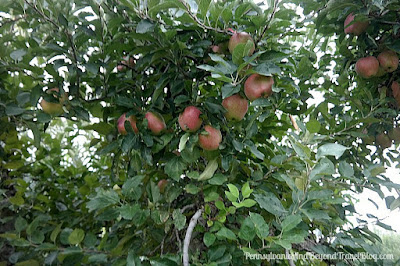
pixel 162 184
pixel 394 134
pixel 396 91
pixel 238 38
pixel 367 67
pixel 383 140
pixel 121 124
pixel 357 27
pixel 236 107
pixel 388 60
pixel 128 61
pixel 54 108
pixel 190 120
pixel 155 122
pixel 210 139
pixel 216 49
pixel 257 86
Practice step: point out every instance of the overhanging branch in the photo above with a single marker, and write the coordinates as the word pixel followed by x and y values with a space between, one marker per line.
pixel 188 236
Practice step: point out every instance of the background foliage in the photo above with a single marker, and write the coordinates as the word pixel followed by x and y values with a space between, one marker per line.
pixel 74 191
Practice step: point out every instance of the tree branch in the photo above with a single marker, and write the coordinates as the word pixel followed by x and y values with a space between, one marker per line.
pixel 12 20
pixel 195 18
pixel 188 236
pixel 276 3
pixel 67 34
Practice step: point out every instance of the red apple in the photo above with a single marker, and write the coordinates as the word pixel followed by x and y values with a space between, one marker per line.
pixel 388 60
pixel 257 86
pixel 210 139
pixel 121 124
pixel 162 184
pixel 155 122
pixel 54 108
pixel 383 140
pixel 128 61
pixel 367 67
pixel 236 107
pixel 396 91
pixel 356 28
pixel 190 120
pixel 216 49
pixel 394 134
pixel 238 38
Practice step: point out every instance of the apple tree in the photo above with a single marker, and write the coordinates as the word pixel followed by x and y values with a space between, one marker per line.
pixel 189 132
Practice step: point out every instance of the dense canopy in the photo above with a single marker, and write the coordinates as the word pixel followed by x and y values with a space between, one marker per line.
pixel 165 132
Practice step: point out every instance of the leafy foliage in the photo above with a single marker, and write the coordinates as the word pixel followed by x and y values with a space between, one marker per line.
pixel 74 191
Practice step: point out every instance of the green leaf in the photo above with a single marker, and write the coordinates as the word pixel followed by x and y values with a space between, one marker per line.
pixel 183 141
pixel 256 152
pixel 269 202
pixel 267 69
pixel 62 20
pixel 248 203
pixel 179 219
pixel 128 211
pixel 55 232
pixel 20 224
pixel 209 239
pixel 324 167
pixel 313 126
pixel 316 214
pixel 234 190
pixel 262 228
pixel 210 196
pixel 104 198
pixel 395 204
pixel 247 230
pixel 228 90
pixel 301 150
pixel 98 258
pixel 192 189
pixel 224 66
pixel 14 110
pixel 345 169
pixel 220 205
pixel 291 222
pixel 334 149
pixel 145 26
pixel 132 259
pixel 131 187
pixel 76 236
pixel 17 55
pixel 174 168
pixel 209 171
pixel 218 179
pixel 246 191
pixel 226 233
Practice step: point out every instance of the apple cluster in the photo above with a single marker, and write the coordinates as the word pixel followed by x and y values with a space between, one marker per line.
pixel 256 86
pixel 367 67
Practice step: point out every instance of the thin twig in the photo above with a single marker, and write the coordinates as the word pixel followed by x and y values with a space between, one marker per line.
pixel 289 259
pixel 276 3
pixel 179 240
pixel 188 236
pixel 195 18
pixel 12 20
pixel 187 207
pixel 69 37
pixel 294 123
